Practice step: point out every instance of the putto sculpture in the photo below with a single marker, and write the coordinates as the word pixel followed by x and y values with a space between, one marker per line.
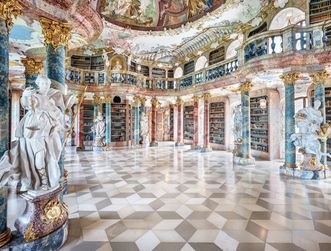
pixel 35 155
pixel 309 137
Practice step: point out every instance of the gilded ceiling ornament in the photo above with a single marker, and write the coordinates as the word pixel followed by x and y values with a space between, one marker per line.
pixel 290 78
pixel 246 86
pixel 319 77
pixel 32 66
pixel 9 9
pixel 55 33
pixel 97 100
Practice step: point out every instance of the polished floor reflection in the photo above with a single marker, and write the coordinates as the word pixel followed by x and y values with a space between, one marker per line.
pixel 172 199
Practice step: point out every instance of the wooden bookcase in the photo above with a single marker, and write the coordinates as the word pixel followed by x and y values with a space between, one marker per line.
pixel 217 56
pixel 265 124
pixel 144 70
pixel 327 110
pixel 171 128
pixel 188 68
pixel 88 117
pixel 319 11
pixel 118 122
pixel 95 63
pixel 188 124
pixel 217 123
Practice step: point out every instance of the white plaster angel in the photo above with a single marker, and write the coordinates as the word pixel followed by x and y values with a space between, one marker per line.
pixel 309 121
pixel 99 128
pixel 35 155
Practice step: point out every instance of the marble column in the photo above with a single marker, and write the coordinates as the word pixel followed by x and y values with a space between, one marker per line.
pixel 195 145
pixel 56 38
pixel 108 100
pixel 8 10
pixel 180 135
pixel 206 145
pixel 245 157
pixel 33 67
pixel 136 115
pixel 155 103
pixel 289 80
pixel 319 80
pixel 142 116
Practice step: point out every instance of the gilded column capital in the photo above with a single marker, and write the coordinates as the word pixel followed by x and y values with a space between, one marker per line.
pixel 32 66
pixel 206 96
pixel 319 77
pixel 143 100
pixel 136 100
pixel 97 100
pixel 8 10
pixel 247 86
pixel 179 101
pixel 55 33
pixel 196 98
pixel 154 101
pixel 290 78
pixel 108 98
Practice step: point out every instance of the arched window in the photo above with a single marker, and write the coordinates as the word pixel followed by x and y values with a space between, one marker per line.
pixel 201 63
pixel 286 17
pixel 117 100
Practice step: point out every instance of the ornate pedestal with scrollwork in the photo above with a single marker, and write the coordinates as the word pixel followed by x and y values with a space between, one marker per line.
pixel 43 215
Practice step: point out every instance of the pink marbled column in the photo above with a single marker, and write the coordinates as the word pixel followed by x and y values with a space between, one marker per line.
pixel 154 102
pixel 196 122
pixel 206 97
pixel 179 104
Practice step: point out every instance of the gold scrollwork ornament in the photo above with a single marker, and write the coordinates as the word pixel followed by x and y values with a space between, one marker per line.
pixel 9 9
pixel 53 211
pixel 55 33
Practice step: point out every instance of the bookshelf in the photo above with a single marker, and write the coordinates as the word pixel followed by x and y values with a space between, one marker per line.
pixel 171 129
pixel 217 56
pixel 95 63
pixel 327 111
pixel 217 123
pixel 144 70
pixel 319 11
pixel 259 124
pixel 188 68
pixel 88 117
pixel 118 122
pixel 158 73
pixel 188 124
pixel 265 127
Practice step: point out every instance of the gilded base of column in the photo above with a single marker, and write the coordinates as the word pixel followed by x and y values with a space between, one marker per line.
pixel 206 149
pixel 5 237
pixel 243 160
pixel 179 144
pixel 153 144
pixel 303 174
pixel 195 148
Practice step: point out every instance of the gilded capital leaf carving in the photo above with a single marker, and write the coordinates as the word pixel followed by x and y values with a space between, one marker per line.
pixel 55 33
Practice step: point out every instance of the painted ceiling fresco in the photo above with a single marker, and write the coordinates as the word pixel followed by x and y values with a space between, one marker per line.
pixel 155 14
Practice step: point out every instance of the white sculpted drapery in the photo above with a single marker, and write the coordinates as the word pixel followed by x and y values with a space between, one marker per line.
pixel 35 155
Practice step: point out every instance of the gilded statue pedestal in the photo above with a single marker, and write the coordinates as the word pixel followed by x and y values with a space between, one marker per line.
pixel 44 214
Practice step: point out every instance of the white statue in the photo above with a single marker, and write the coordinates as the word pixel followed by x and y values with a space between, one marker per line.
pixel 99 128
pixel 35 155
pixel 144 132
pixel 237 123
pixel 309 121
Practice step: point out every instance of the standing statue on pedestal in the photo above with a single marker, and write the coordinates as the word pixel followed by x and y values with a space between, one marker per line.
pixel 35 155
pixel 237 131
pixel 144 129
pixel 311 132
pixel 99 128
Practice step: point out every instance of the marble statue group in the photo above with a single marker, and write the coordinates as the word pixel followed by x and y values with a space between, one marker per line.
pixel 34 157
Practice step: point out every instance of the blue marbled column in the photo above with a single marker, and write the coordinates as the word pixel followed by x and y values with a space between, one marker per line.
pixel 136 123
pixel 290 151
pixel 108 122
pixel 95 114
pixel 4 88
pixel 30 80
pixel 55 68
pixel 3 210
pixel 319 94
pixel 246 137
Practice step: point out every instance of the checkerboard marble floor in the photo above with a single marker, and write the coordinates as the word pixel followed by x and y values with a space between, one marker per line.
pixel 169 199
